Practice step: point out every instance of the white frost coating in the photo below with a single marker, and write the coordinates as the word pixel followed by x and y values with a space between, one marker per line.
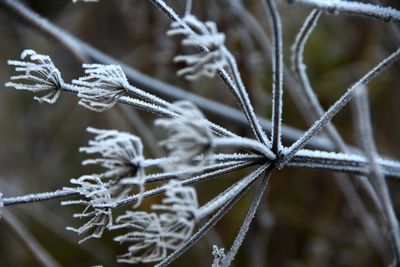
pixel 387 14
pixel 96 193
pixel 178 207
pixel 39 75
pixel 105 85
pixel 102 86
pixel 203 35
pixel 121 156
pixel 145 239
pixel 228 194
pixel 188 136
pixel 218 256
pixel 152 235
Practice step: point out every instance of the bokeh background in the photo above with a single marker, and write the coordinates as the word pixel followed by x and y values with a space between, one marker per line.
pixel 304 221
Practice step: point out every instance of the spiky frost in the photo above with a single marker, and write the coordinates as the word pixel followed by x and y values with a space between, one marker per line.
pixel 38 75
pixel 202 35
pixel 96 193
pixel 102 86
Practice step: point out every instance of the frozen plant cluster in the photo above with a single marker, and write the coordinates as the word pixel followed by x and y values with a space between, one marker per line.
pixel 199 149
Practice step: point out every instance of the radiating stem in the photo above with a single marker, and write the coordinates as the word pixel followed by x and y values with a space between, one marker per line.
pixel 337 106
pixel 277 86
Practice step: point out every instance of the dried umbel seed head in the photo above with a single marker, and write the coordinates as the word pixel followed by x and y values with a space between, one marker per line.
pixel 189 137
pixel 146 237
pixel 102 86
pixel 178 207
pixel 121 155
pixel 203 35
pixel 121 152
pixel 38 75
pixel 96 194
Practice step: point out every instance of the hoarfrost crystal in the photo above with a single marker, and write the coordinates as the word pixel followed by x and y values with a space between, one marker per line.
pixel 39 75
pixel 97 194
pixel 189 136
pixel 200 35
pixel 179 206
pixel 146 239
pixel 121 156
pixel 102 86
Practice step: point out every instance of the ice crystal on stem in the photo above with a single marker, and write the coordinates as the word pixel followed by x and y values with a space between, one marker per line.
pixel 189 136
pixel 96 193
pixel 39 75
pixel 219 256
pixel 200 35
pixel 102 86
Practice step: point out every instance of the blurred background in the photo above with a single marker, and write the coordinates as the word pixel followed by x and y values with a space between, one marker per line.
pixel 305 220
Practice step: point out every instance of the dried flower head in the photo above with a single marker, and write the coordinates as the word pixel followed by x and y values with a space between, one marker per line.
pixel 178 206
pixel 145 239
pixel 189 136
pixel 39 75
pixel 121 155
pixel 97 194
pixel 203 35
pixel 102 86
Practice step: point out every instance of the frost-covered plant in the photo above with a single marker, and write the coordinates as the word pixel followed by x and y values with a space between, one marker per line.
pixel 145 237
pixel 96 193
pixel 38 75
pixel 198 34
pixel 102 87
pixel 194 143
pixel 189 136
pixel 151 235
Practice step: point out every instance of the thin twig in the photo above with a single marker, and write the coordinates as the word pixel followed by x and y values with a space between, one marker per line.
pixel 247 221
pixel 367 141
pixel 41 255
pixel 338 105
pixel 386 14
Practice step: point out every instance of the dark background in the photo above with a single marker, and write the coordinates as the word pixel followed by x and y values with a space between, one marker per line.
pixel 305 220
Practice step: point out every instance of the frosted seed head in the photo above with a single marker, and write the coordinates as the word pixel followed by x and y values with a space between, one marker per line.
pixel 145 237
pixel 199 35
pixel 120 155
pixel 102 86
pixel 178 209
pixel 189 137
pixel 37 73
pixel 96 193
